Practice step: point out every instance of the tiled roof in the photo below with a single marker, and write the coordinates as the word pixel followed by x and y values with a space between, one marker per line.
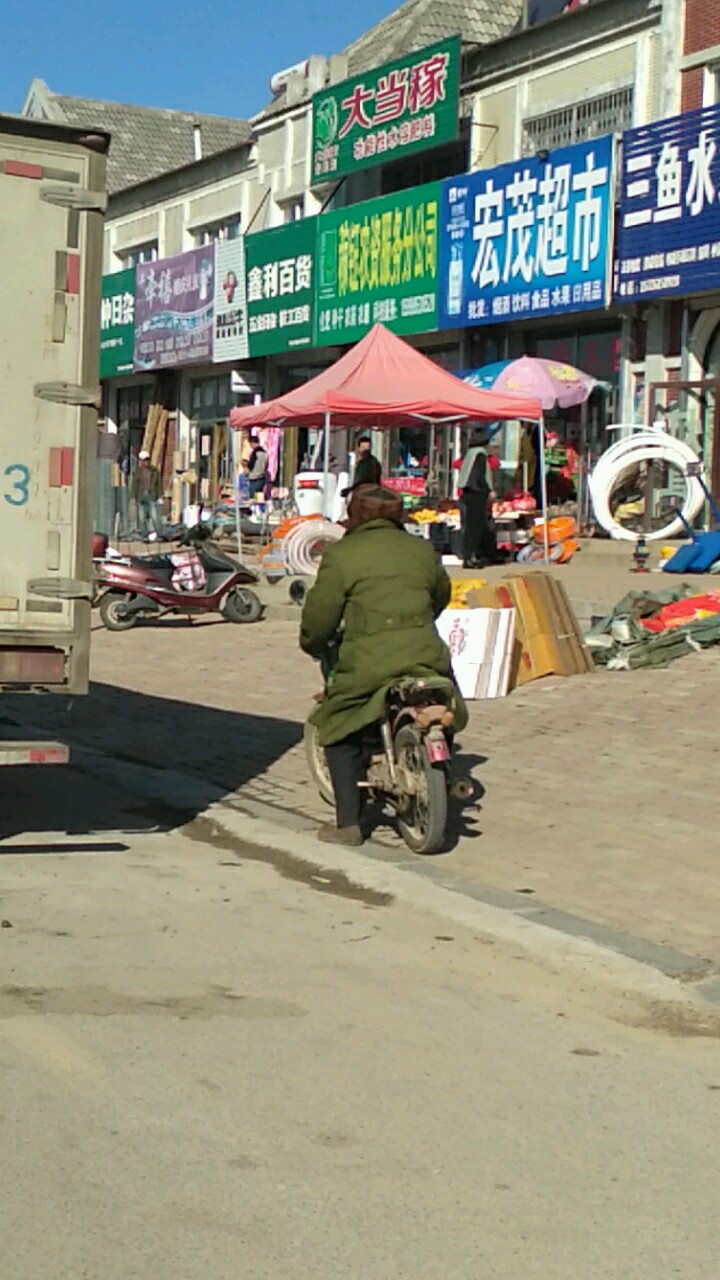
pixel 417 23
pixel 148 141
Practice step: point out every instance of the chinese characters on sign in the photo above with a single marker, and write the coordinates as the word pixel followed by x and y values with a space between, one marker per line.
pixel 174 310
pixel 117 323
pixel 230 338
pixel 531 238
pixel 378 261
pixel 396 109
pixel 669 225
pixel 280 287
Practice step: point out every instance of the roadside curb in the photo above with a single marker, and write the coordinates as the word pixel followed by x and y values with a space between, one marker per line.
pixel 632 966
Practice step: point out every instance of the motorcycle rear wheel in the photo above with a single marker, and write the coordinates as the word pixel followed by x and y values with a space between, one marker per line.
pixel 423 820
pixel 111 617
pixel 242 605
pixel 317 763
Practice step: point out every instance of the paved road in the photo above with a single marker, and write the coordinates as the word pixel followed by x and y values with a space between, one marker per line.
pixel 220 1063
pixel 599 796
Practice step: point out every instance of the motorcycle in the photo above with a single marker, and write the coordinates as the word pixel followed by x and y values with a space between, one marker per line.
pixel 409 760
pixel 202 579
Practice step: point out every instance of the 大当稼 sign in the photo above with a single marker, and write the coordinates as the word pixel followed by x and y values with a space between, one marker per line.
pixel 530 238
pixel 668 238
pixel 394 110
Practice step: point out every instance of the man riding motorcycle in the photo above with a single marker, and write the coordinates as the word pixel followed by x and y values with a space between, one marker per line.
pixel 384 588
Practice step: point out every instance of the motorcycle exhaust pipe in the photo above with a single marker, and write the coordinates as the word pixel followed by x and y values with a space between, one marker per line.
pixel 462 789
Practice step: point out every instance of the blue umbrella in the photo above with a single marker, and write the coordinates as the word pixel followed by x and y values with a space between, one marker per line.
pixel 485 377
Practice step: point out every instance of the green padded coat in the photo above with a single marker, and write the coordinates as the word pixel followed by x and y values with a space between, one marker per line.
pixel 385 588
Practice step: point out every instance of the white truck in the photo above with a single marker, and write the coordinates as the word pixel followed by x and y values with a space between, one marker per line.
pixel 52 200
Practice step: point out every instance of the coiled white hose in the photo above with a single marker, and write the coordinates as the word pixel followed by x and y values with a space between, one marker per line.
pixel 622 459
pixel 303 546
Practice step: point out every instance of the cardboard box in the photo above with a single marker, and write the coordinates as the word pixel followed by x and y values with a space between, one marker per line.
pixel 548 640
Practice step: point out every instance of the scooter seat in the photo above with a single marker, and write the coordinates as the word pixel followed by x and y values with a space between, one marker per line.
pixel 152 562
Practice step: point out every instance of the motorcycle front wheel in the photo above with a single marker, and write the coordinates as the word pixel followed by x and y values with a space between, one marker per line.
pixel 422 815
pixel 242 605
pixel 112 611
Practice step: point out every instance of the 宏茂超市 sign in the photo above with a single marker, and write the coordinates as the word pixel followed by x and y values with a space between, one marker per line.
pixel 530 238
pixel 668 239
pixel 280 267
pixel 393 110
pixel 117 323
pixel 378 261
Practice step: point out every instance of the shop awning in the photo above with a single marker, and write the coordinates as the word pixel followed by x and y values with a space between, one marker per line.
pixel 384 382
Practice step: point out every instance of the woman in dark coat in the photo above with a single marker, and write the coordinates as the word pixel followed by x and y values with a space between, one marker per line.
pixel 479 545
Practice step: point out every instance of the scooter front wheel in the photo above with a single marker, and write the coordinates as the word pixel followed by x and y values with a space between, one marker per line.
pixel 113 611
pixel 243 605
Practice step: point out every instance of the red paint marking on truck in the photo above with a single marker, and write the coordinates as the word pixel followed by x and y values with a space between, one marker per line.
pixel 55 473
pixel 19 169
pixel 73 273
pixel 67 464
pixel 62 467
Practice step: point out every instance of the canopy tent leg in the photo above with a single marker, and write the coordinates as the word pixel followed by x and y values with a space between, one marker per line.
pixel 326 468
pixel 543 493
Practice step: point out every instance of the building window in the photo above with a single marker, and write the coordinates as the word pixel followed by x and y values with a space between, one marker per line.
pixel 294 211
pixel 228 229
pixel 609 113
pixel 143 253
pixel 210 398
pixel 711 86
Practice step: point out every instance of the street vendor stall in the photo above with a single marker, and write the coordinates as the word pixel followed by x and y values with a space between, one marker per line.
pixel 383 382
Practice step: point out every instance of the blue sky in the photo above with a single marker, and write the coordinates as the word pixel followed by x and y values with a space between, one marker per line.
pixel 169 53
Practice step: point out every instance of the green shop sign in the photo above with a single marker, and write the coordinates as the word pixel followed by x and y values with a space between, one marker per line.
pixel 378 261
pixel 394 110
pixel 117 323
pixel 280 275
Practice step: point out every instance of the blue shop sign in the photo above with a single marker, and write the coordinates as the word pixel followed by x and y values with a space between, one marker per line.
pixel 668 238
pixel 531 238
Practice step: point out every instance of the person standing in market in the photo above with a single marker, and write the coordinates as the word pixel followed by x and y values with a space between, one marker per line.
pixel 479 544
pixel 386 588
pixel 367 466
pixel 145 490
pixel 257 468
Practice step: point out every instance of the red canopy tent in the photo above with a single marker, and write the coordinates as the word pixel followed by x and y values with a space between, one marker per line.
pixel 384 382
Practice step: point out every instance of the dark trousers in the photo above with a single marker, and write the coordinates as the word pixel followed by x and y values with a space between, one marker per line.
pixel 347 764
pixel 478 535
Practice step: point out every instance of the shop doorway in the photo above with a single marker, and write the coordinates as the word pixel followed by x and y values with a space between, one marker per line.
pixel 690 411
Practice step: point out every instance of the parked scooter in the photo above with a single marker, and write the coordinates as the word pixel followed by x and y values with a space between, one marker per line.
pixel 201 579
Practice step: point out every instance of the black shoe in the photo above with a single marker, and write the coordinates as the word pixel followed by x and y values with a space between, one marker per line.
pixel 351 837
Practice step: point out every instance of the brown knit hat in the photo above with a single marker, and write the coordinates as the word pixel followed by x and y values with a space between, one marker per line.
pixel 372 502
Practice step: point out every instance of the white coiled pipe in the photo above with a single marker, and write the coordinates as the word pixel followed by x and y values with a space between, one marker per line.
pixel 303 546
pixel 622 459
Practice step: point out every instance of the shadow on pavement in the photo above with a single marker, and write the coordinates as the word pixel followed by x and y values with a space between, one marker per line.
pixel 224 749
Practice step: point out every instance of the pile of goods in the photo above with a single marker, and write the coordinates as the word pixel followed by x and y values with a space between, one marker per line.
pixel 652 629
pixel 461 588
pixel 562 541
pixel 514 500
pixel 428 515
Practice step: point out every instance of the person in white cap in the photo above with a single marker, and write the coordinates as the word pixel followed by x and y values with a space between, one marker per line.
pixel 145 489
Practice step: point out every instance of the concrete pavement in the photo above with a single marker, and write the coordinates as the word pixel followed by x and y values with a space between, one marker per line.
pixel 599 807
pixel 217 1062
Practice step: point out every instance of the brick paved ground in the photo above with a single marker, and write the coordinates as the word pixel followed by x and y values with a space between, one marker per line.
pixel 600 793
